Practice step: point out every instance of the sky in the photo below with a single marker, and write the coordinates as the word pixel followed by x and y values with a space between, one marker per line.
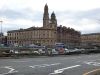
pixel 82 15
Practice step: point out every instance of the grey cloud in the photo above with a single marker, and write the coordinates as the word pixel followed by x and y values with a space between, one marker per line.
pixel 11 14
pixel 7 27
pixel 90 14
pixel 77 17
pixel 97 30
pixel 37 16
pixel 21 14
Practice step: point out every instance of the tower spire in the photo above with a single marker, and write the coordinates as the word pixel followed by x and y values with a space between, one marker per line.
pixel 53 18
pixel 45 16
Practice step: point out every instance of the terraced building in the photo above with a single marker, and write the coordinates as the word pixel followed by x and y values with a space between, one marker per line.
pixel 47 35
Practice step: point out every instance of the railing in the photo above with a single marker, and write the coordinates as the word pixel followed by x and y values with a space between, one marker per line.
pixel 17 51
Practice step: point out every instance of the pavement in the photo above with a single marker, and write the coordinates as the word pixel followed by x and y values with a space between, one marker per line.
pixel 56 65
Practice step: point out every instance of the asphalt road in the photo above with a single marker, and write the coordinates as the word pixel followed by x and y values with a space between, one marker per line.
pixel 59 65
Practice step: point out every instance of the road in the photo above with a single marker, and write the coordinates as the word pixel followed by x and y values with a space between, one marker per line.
pixel 58 65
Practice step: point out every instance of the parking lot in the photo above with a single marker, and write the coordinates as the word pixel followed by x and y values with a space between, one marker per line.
pixel 59 65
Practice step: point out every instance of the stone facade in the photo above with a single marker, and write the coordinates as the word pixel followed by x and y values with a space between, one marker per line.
pixel 32 36
pixel 47 35
pixel 92 40
pixel 68 36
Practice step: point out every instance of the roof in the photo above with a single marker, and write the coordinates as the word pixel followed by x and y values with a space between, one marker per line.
pixel 28 29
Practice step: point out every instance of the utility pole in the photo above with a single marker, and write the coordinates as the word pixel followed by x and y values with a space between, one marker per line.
pixel 1 34
pixel 1 27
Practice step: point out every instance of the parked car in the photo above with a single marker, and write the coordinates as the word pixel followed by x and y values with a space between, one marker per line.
pixel 42 51
pixel 66 51
pixel 75 51
pixel 36 52
pixel 54 52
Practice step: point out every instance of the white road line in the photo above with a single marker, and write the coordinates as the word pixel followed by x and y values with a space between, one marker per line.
pixel 44 65
pixel 11 70
pixel 92 63
pixel 61 70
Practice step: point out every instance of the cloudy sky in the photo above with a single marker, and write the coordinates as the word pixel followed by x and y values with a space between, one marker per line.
pixel 82 15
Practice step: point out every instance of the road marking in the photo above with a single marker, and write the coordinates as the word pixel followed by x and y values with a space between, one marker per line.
pixel 44 65
pixel 91 71
pixel 92 63
pixel 61 70
pixel 10 68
